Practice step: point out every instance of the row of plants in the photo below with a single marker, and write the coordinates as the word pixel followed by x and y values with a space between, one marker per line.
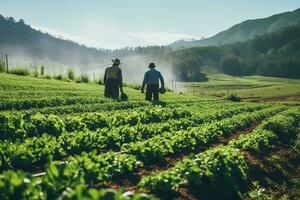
pixel 94 107
pixel 221 172
pixel 209 172
pixel 35 151
pixel 26 125
pixel 114 138
pixel 156 148
pixel 63 105
pixel 68 181
pixel 61 180
pixel 25 104
pixel 280 129
pixel 70 76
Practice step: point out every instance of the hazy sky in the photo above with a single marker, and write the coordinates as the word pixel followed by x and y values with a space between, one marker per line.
pixel 120 23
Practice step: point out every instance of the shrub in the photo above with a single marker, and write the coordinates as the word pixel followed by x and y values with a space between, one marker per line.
pixel 47 76
pixel 231 66
pixel 233 97
pixel 283 127
pixel 84 78
pixel 100 82
pixel 19 185
pixel 36 73
pixel 94 121
pixel 58 77
pixel 39 124
pixel 42 70
pixel 71 74
pixel 2 66
pixel 20 71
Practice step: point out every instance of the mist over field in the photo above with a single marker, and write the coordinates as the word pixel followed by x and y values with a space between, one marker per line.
pixel 133 67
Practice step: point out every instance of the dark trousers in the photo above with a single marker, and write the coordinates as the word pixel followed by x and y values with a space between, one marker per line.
pixel 111 89
pixel 152 90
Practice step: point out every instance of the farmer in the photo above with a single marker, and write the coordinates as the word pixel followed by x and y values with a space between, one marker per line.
pixel 113 80
pixel 151 79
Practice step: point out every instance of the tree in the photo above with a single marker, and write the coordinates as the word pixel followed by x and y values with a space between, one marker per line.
pixel 71 74
pixel 2 66
pixel 11 19
pixel 42 70
pixel 231 66
pixel 21 21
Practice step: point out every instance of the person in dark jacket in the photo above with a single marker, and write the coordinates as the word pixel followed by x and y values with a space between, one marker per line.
pixel 113 80
pixel 151 79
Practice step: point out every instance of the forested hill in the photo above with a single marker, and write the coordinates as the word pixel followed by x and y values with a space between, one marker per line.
pixel 274 54
pixel 19 39
pixel 246 30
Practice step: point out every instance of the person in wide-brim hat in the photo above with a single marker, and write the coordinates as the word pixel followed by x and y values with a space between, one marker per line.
pixel 113 80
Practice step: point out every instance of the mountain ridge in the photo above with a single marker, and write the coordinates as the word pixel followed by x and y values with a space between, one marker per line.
pixel 246 30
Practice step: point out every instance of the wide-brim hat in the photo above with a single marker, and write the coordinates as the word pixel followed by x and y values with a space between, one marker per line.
pixel 116 61
pixel 151 65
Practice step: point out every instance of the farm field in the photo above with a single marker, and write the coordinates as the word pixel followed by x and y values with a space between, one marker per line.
pixel 251 88
pixel 64 140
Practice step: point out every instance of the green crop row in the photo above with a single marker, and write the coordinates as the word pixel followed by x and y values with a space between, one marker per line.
pixel 26 125
pixel 20 104
pixel 81 108
pixel 62 180
pixel 156 148
pixel 280 129
pixel 221 172
pixel 65 182
pixel 115 137
pixel 35 151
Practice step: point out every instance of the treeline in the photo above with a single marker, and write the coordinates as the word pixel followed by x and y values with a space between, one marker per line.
pixel 276 54
pixel 187 63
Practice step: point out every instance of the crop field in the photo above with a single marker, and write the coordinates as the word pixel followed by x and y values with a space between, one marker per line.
pixel 64 140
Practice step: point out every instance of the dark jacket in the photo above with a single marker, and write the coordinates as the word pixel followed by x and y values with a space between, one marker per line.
pixel 113 73
pixel 153 76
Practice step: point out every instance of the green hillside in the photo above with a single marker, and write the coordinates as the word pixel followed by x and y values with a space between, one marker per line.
pixel 274 54
pixel 20 39
pixel 246 30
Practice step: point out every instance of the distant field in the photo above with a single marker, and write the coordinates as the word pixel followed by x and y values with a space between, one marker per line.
pixel 247 87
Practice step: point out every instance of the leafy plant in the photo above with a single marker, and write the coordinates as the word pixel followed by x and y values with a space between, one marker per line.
pixel 233 98
pixel 58 77
pixel 20 71
pixel 2 66
pixel 71 74
pixel 19 185
pixel 42 70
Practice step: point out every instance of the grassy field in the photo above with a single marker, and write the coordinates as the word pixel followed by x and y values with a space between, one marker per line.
pixel 64 140
pixel 247 87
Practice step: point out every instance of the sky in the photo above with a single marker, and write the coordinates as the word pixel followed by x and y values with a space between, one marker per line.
pixel 127 23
